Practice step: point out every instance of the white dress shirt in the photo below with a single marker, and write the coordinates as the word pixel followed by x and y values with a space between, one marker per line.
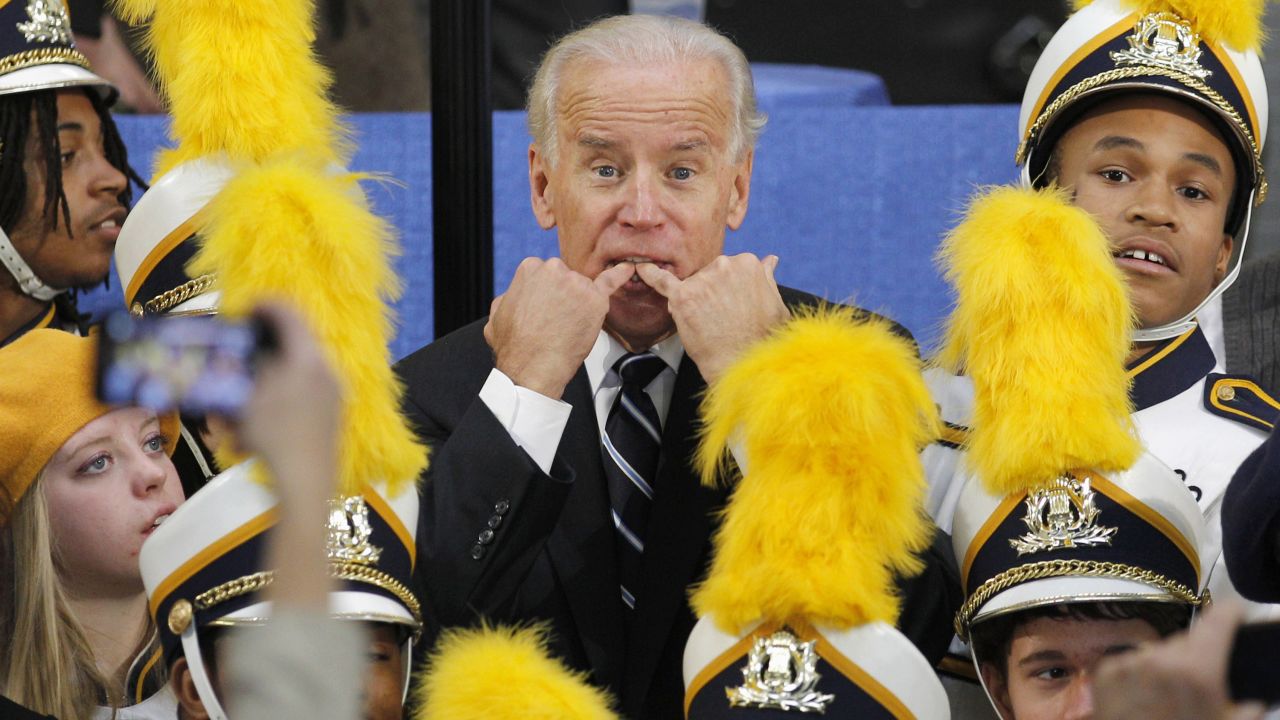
pixel 536 422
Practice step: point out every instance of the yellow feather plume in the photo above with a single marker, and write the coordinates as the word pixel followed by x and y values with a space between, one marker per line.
pixel 291 229
pixel 240 77
pixel 499 673
pixel 831 412
pixel 1234 23
pixel 1041 325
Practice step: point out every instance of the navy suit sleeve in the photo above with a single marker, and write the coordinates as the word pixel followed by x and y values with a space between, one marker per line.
pixel 486 508
pixel 1251 524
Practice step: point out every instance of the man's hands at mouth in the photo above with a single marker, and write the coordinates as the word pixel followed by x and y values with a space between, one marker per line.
pixel 722 309
pixel 545 324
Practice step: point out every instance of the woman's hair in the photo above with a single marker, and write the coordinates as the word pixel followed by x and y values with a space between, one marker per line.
pixel 22 114
pixel 46 663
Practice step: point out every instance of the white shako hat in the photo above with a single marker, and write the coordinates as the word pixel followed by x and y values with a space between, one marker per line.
pixel 203 566
pixel 1207 56
pixel 1133 535
pixel 161 235
pixel 38 52
pixel 797 614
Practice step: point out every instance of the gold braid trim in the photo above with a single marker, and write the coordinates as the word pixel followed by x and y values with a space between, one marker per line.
pixel 172 298
pixel 1059 568
pixel 338 571
pixel 1124 73
pixel 43 56
pixel 234 589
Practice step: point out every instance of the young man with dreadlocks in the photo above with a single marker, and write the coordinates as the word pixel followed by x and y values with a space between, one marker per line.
pixel 64 172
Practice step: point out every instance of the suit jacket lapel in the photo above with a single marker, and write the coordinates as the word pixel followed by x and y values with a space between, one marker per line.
pixel 582 545
pixel 677 539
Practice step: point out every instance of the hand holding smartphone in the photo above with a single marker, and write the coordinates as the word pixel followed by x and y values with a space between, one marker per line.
pixel 198 365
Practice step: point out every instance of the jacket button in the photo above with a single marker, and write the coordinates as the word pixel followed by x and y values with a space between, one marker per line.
pixel 1226 393
pixel 501 507
pixel 477 552
pixel 485 537
pixel 494 522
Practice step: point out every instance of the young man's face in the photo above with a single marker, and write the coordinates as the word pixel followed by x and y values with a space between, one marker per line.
pixel 79 255
pixel 1159 179
pixel 1049 670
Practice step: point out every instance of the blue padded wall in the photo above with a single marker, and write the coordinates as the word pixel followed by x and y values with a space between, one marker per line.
pixel 853 200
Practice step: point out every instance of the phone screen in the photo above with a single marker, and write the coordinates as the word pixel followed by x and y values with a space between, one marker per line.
pixel 198 364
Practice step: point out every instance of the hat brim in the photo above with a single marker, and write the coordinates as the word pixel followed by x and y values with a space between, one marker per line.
pixel 56 76
pixel 343 605
pixel 1063 590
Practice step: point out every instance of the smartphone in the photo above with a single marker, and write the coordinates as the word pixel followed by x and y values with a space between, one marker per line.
pixel 198 365
pixel 1255 663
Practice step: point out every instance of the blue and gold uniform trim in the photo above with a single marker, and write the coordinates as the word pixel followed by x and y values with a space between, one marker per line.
pixel 953 436
pixel 1171 368
pixel 1239 398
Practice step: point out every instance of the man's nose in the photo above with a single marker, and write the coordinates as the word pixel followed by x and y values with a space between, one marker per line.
pixel 642 208
pixel 107 178
pixel 1153 205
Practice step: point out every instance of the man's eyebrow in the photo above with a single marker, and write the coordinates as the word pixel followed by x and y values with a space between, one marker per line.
pixel 1042 656
pixel 1111 142
pixel 689 145
pixel 1119 649
pixel 1207 162
pixel 593 141
pixel 70 126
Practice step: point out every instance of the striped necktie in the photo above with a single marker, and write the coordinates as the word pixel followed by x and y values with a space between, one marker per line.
pixel 631 445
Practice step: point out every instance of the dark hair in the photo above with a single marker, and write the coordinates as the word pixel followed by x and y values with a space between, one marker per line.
pixel 992 639
pixel 22 114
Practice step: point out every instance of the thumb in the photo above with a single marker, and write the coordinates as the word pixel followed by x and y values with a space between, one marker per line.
pixel 771 265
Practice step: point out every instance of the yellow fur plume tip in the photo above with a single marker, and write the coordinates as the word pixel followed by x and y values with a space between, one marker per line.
pixel 134 11
pixel 830 414
pixel 500 673
pixel 1234 23
pixel 1042 327
pixel 292 230
pixel 241 78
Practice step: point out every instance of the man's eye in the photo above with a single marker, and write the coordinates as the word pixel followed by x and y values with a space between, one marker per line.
pixel 155 443
pixel 1053 673
pixel 1115 175
pixel 682 173
pixel 1194 193
pixel 67 157
pixel 606 171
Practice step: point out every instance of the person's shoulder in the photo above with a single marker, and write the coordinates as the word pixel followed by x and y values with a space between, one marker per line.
pixel 10 709
pixel 1240 399
pixel 462 352
pixel 799 299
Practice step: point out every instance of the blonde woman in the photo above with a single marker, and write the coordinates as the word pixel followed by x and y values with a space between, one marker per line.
pixel 81 487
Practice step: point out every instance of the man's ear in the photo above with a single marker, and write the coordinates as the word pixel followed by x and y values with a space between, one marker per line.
pixel 741 191
pixel 540 192
pixel 1224 257
pixel 184 687
pixel 998 688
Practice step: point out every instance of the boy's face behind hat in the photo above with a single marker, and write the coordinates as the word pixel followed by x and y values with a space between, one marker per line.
pixel 1050 664
pixel 1159 179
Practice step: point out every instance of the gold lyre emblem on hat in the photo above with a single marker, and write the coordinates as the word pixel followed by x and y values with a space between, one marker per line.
pixel 1063 515
pixel 781 674
pixel 349 532
pixel 49 22
pixel 1167 41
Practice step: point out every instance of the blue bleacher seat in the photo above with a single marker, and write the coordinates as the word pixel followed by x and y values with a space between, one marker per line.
pixel 852 199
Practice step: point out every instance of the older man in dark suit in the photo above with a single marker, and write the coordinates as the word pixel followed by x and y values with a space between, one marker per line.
pixel 563 427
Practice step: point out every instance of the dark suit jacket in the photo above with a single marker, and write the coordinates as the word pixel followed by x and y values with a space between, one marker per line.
pixel 551 556
pixel 1251 322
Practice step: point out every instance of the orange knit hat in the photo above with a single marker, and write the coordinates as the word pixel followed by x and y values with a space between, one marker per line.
pixel 46 395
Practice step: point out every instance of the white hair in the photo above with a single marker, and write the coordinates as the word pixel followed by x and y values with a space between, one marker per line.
pixel 640 40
